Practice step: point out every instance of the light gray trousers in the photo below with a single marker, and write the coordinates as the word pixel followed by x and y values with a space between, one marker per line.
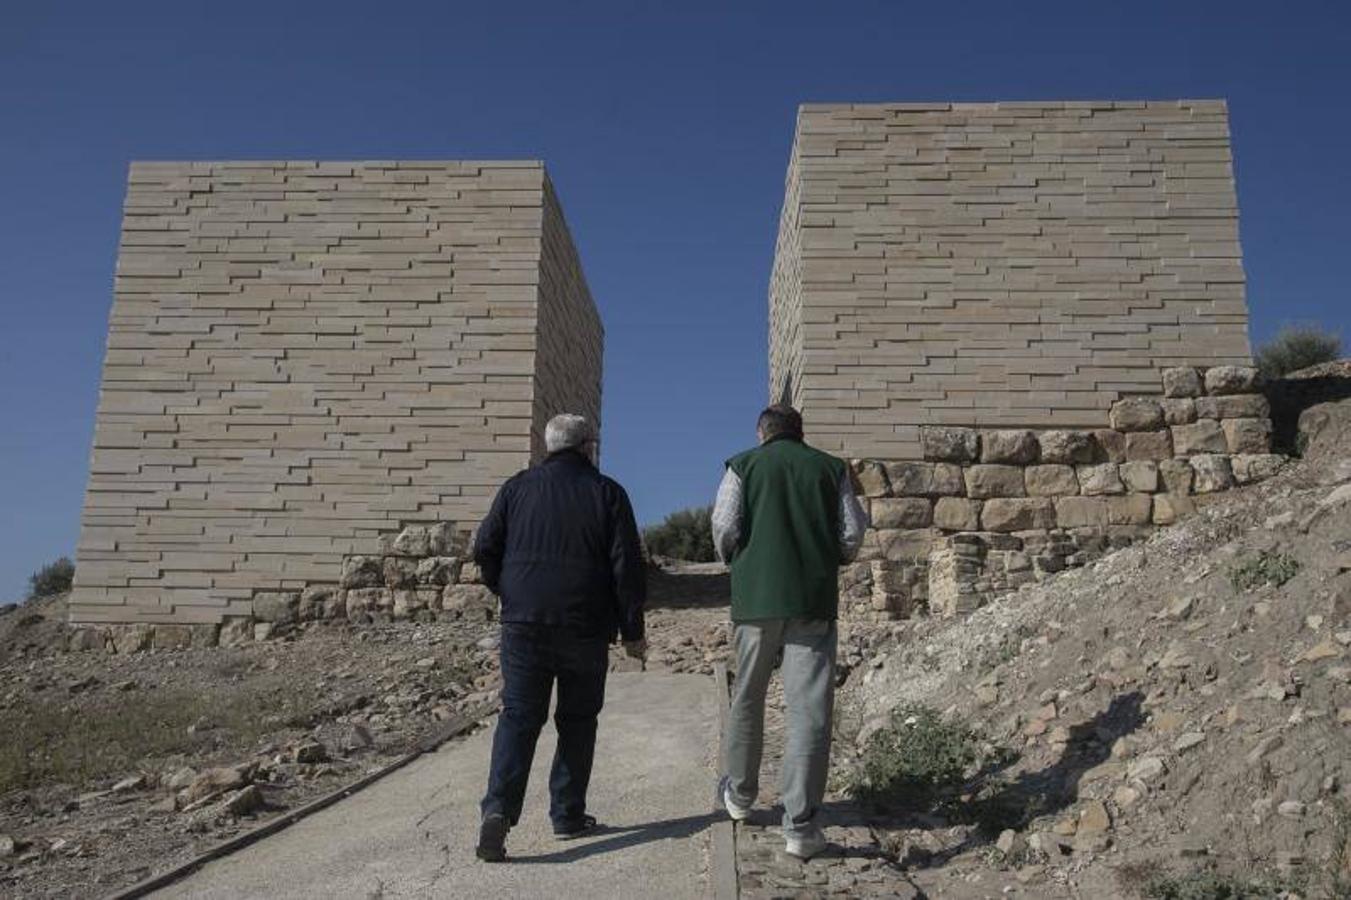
pixel 808 647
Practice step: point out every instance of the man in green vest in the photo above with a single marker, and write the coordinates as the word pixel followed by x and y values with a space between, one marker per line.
pixel 786 518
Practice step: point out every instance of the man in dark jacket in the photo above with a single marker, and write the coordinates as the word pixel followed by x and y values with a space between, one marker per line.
pixel 560 548
pixel 786 519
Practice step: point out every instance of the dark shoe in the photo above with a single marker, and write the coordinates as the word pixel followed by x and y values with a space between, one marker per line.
pixel 586 825
pixel 492 838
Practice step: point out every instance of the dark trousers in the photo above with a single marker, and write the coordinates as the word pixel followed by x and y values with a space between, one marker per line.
pixel 533 658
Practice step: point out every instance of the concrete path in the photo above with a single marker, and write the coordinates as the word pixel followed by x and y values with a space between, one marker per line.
pixel 413 833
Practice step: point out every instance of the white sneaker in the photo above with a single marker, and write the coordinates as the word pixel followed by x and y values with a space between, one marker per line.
pixel 807 845
pixel 738 812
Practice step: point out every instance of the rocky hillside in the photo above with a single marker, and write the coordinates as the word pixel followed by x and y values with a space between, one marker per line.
pixel 1183 705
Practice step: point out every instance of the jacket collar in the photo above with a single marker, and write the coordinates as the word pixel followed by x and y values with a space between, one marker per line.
pixel 795 438
pixel 570 456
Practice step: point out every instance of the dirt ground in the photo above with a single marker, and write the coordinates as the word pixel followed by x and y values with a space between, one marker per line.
pixel 114 767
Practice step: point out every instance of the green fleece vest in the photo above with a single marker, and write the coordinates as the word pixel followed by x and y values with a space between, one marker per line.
pixel 788 563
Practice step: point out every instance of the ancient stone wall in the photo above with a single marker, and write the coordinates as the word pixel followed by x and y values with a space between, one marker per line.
pixel 999 265
pixel 307 360
pixel 987 510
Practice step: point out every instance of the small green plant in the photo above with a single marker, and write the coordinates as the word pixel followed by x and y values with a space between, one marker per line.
pixel 687 535
pixel 918 759
pixel 1268 567
pixel 53 578
pixel 1297 347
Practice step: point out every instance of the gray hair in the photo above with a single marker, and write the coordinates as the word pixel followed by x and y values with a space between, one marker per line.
pixel 566 431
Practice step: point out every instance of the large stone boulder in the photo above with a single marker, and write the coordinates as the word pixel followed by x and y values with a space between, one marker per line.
pixel 1103 478
pixel 1110 446
pixel 400 572
pixel 925 479
pixel 1131 509
pixel 957 514
pixel 1081 512
pixel 277 607
pixel 1067 447
pixel 1179 411
pixel 1140 476
pixel 949 444
pixel 983 481
pixel 362 572
pixel 1176 475
pixel 413 541
pixel 1183 381
pixel 1051 480
pixel 1155 445
pixel 1202 436
pixel 1249 468
pixel 902 512
pixel 870 476
pixel 1232 380
pixel 318 602
pixel 437 570
pixel 1018 447
pixel 1248 436
pixel 1017 514
pixel 1234 406
pixel 1213 473
pixel 1136 414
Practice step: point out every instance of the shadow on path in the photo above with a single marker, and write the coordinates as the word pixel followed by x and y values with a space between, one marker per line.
pixel 619 837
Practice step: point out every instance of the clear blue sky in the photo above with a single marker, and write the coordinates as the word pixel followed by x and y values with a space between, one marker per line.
pixel 666 128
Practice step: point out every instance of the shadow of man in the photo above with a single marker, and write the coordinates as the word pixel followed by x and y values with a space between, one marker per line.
pixel 613 838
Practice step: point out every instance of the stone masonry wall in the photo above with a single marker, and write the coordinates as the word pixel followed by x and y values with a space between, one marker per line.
pixel 308 359
pixel 987 510
pixel 569 334
pixel 785 319
pixel 999 265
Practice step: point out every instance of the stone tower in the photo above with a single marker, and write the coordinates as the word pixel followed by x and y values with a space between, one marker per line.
pixel 305 358
pixel 999 264
pixel 1025 326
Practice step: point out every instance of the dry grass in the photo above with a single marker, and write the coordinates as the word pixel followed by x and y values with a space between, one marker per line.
pixel 78 743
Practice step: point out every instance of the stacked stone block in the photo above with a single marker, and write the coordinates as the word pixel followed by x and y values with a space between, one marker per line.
pixel 989 509
pixel 1000 265
pixel 307 358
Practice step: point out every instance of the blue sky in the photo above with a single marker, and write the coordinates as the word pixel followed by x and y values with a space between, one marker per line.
pixel 666 128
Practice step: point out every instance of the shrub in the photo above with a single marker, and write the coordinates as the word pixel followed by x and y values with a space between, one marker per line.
pixel 1297 347
pixel 687 534
pixel 918 759
pixel 53 578
pixel 1268 567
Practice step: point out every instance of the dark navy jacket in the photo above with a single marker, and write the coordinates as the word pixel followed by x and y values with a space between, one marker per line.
pixel 561 548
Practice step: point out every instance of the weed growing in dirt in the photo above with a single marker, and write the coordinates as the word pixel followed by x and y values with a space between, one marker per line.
pixel 46 742
pixel 918 759
pixel 1268 567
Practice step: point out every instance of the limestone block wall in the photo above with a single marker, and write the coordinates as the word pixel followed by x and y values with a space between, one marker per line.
pixel 306 358
pixel 569 335
pixel 987 510
pixel 999 265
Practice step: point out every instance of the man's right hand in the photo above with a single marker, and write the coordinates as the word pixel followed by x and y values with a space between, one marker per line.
pixel 636 649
